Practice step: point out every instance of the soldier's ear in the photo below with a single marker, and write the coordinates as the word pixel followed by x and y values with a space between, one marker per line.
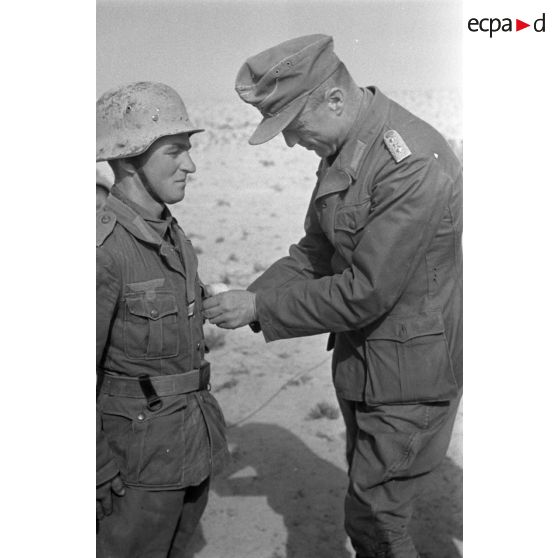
pixel 335 98
pixel 128 166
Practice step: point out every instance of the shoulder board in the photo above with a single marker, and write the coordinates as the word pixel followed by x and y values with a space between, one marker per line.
pixel 396 146
pixel 105 225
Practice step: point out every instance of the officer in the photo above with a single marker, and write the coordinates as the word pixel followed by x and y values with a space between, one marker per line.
pixel 160 433
pixel 379 267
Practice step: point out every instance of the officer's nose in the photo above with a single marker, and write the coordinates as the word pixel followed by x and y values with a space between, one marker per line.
pixel 187 164
pixel 291 139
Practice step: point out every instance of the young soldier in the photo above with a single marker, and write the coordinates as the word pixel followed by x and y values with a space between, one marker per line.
pixel 160 433
pixel 379 266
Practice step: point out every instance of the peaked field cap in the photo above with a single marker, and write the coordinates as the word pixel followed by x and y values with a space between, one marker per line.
pixel 278 80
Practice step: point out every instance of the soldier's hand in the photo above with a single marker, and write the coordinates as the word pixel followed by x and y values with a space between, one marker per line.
pixel 104 495
pixel 231 309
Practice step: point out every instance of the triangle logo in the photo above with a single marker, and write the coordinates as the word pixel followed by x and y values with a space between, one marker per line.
pixel 519 25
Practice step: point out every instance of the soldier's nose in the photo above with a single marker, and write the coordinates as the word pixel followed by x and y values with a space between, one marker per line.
pixel 187 164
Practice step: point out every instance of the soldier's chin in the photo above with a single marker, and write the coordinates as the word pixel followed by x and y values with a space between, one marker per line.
pixel 177 196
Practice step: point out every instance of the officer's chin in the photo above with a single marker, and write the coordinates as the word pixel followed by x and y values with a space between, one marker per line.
pixel 315 150
pixel 322 152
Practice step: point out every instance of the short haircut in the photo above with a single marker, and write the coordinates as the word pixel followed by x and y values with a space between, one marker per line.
pixel 339 78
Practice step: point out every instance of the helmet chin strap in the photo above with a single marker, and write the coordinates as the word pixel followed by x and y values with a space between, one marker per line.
pixel 145 182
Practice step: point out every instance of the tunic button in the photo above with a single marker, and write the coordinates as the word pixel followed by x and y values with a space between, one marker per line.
pixel 105 219
pixel 198 346
pixel 324 204
pixel 141 417
pixel 153 313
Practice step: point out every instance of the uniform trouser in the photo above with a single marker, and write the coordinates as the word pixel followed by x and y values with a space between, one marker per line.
pixel 146 524
pixel 390 448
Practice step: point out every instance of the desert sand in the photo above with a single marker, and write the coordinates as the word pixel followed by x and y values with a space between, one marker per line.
pixel 282 494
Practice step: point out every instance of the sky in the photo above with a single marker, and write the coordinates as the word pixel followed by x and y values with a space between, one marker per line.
pixel 197 46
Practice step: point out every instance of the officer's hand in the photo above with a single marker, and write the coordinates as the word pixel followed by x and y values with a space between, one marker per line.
pixel 231 309
pixel 104 495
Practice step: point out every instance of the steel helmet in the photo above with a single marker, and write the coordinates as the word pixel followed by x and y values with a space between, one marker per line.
pixel 131 117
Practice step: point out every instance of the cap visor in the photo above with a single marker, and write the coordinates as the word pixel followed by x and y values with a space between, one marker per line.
pixel 195 131
pixel 269 127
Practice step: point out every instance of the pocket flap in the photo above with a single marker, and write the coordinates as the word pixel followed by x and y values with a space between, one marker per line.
pixel 353 218
pixel 160 306
pixel 135 408
pixel 404 328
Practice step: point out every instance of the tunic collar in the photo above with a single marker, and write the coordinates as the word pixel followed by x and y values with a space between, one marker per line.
pixel 160 226
pixel 368 125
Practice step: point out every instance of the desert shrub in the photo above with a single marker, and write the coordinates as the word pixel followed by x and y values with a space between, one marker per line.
pixel 226 278
pixel 239 371
pixel 324 409
pixel 226 385
pixel 304 379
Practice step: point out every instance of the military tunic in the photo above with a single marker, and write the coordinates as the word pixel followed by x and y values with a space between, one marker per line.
pixel 149 323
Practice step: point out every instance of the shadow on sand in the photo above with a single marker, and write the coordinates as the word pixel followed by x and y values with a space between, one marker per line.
pixel 308 493
pixel 438 518
pixel 304 489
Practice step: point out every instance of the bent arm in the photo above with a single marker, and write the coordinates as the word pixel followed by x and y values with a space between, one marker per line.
pixel 409 207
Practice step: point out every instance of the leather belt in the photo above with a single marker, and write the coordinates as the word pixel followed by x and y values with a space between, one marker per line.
pixel 174 384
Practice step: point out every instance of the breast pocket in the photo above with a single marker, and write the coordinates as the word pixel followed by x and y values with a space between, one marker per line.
pixel 350 220
pixel 151 326
pixel 408 361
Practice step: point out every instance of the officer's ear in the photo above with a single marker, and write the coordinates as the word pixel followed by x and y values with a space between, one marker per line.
pixel 335 98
